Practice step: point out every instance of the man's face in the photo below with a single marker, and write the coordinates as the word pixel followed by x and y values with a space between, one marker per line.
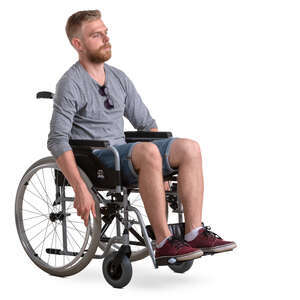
pixel 95 42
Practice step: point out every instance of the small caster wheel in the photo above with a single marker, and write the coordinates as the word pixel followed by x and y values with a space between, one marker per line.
pixel 181 267
pixel 120 277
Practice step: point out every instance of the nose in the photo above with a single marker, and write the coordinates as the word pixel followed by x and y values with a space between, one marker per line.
pixel 106 39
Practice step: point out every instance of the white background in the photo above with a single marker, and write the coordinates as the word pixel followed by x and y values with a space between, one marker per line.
pixel 224 73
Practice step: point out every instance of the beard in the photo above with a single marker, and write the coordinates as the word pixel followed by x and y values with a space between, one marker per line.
pixel 99 56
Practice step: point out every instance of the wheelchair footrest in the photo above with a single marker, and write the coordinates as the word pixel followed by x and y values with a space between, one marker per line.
pixel 177 229
pixel 61 252
pixel 167 261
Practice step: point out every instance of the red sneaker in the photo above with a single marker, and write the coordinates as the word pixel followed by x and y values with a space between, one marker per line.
pixel 210 242
pixel 180 250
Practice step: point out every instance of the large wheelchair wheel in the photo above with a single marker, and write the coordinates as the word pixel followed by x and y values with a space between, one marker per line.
pixel 50 231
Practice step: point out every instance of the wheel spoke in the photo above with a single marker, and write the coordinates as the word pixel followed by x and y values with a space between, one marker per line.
pixel 47 196
pixel 50 247
pixel 44 238
pixel 40 196
pixel 35 213
pixel 37 235
pixel 75 228
pixel 33 207
pixel 74 240
pixel 35 217
pixel 35 225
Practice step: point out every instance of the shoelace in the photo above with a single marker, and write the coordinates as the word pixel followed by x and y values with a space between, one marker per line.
pixel 209 233
pixel 178 244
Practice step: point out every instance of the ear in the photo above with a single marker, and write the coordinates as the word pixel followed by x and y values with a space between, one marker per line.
pixel 76 42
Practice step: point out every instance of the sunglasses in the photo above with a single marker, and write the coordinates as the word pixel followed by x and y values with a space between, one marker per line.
pixel 108 103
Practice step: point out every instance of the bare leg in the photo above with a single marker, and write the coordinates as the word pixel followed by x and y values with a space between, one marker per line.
pixel 147 160
pixel 186 155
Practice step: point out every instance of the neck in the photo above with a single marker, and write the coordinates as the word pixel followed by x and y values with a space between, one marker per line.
pixel 96 70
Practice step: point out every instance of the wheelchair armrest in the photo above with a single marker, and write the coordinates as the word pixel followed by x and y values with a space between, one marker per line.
pixel 98 173
pixel 89 143
pixel 146 136
pixel 44 94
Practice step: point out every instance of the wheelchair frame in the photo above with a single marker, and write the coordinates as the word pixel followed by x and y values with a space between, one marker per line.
pixel 82 150
pixel 99 178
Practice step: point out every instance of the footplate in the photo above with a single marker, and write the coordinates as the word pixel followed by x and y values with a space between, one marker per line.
pixel 61 252
pixel 167 261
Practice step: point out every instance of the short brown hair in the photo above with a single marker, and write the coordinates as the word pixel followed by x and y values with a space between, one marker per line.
pixel 75 21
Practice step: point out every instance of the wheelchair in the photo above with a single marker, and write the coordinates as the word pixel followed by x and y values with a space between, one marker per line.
pixel 55 237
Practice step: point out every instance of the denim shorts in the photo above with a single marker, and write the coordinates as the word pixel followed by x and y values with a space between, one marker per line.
pixel 128 173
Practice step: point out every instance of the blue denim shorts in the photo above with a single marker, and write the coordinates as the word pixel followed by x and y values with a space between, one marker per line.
pixel 128 173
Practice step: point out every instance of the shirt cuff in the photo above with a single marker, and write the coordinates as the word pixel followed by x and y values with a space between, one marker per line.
pixel 151 125
pixel 58 148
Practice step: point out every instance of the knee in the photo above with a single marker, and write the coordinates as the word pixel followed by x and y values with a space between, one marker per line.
pixel 149 155
pixel 190 148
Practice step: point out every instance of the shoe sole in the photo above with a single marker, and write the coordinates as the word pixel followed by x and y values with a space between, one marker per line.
pixel 183 257
pixel 219 249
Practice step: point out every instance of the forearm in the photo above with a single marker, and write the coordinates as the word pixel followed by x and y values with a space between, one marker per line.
pixel 67 164
pixel 83 201
pixel 154 129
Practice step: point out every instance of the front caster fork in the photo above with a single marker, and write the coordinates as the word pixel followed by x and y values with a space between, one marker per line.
pixel 123 251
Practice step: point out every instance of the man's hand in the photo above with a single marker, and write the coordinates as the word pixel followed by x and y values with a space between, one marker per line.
pixel 166 185
pixel 84 203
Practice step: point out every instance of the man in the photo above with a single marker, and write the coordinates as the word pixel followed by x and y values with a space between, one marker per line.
pixel 90 101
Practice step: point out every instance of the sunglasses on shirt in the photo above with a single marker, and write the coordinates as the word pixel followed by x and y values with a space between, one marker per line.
pixel 108 103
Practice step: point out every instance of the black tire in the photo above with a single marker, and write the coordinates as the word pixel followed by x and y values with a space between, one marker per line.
pixel 181 267
pixel 124 272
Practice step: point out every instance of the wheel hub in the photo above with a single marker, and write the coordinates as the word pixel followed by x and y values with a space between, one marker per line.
pixel 57 216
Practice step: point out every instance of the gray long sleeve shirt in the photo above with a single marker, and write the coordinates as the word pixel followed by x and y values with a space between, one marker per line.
pixel 79 111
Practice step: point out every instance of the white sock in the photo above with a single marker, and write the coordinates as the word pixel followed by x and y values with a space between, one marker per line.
pixel 192 234
pixel 162 242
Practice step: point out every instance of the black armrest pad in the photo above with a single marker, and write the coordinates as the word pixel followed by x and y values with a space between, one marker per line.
pixel 133 136
pixel 89 143
pixel 44 94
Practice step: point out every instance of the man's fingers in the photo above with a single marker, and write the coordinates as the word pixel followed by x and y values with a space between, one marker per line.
pixel 84 206
pixel 86 217
pixel 79 211
pixel 167 186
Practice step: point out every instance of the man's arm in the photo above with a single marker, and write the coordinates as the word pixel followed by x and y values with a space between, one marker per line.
pixel 135 109
pixel 84 201
pixel 68 165
pixel 66 104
